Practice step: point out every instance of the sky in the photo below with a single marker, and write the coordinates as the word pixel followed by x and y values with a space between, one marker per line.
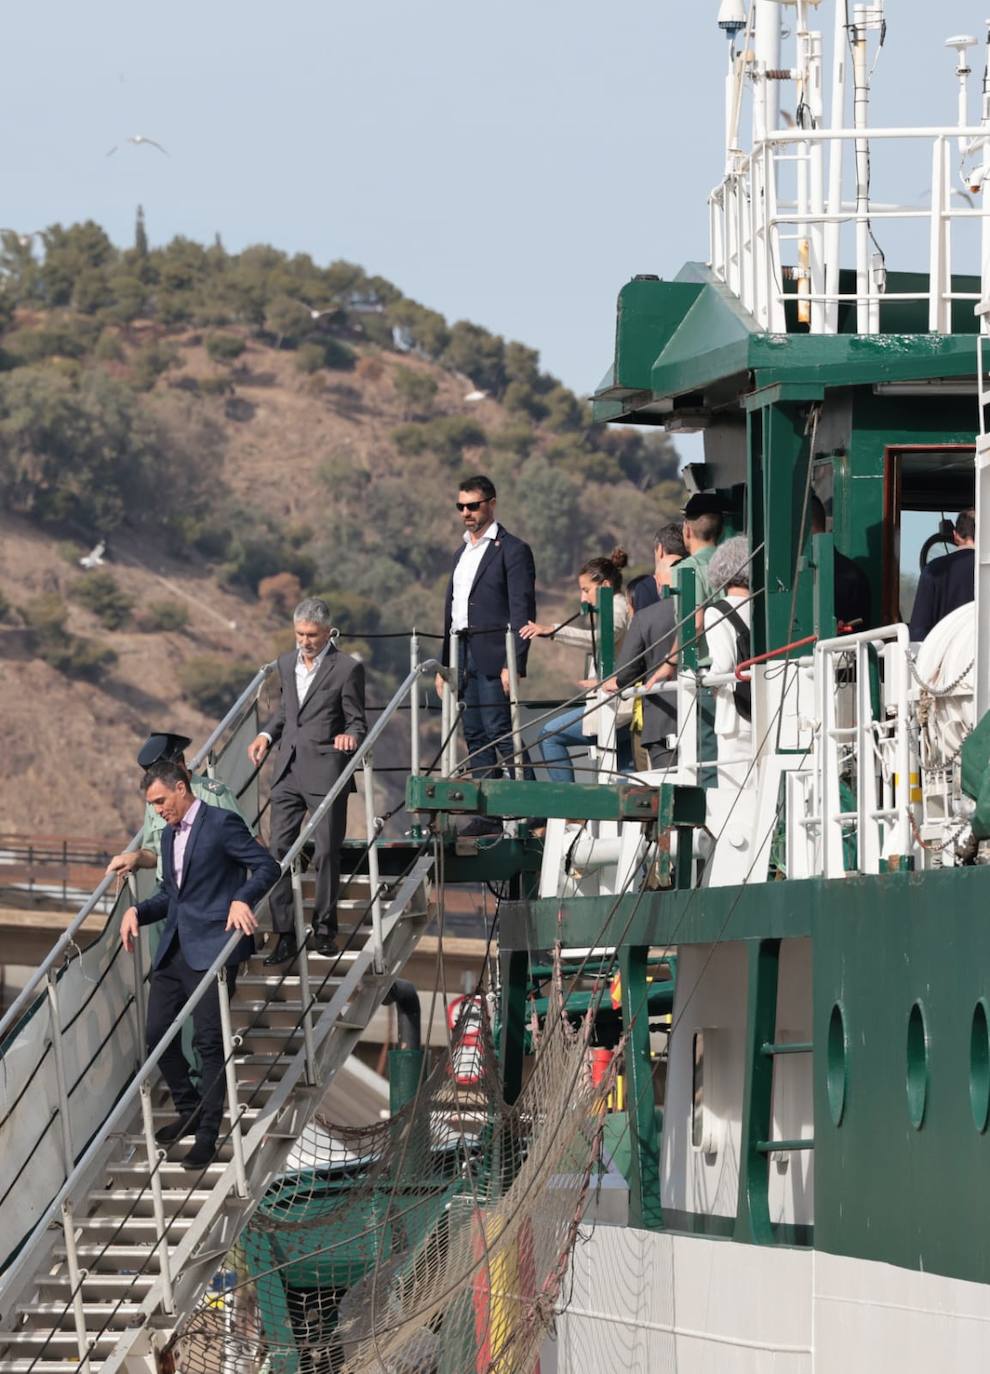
pixel 511 164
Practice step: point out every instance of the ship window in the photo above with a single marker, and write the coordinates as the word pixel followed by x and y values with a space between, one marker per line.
pixel 698 1091
pixel 925 488
pixel 917 1065
pixel 835 1069
pixel 979 1066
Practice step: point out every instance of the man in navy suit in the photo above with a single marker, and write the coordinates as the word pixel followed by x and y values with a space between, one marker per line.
pixel 949 582
pixel 492 586
pixel 204 895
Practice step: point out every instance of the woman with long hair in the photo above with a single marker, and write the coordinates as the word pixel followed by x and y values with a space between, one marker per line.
pixel 579 725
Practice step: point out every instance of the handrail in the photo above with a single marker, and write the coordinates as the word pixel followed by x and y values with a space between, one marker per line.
pixel 67 937
pixel 127 1100
pixel 771 653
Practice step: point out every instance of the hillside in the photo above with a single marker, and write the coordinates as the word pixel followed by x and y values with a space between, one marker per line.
pixel 235 447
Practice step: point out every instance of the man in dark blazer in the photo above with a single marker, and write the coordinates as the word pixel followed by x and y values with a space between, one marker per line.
pixel 949 582
pixel 319 721
pixel 205 894
pixel 492 586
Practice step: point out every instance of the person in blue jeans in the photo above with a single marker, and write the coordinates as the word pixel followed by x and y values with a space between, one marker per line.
pixel 578 726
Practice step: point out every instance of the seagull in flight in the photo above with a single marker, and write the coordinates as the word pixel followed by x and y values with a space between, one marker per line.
pixel 95 557
pixel 137 140
pixel 318 314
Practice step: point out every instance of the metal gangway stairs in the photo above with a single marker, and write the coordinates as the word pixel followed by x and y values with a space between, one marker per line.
pixel 105 1241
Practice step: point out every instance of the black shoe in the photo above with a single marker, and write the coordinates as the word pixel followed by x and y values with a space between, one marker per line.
pixel 325 943
pixel 202 1153
pixel 285 949
pixel 177 1129
pixel 482 825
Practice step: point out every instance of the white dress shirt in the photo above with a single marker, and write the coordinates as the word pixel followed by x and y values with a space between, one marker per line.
pixel 304 675
pixel 181 839
pixel 465 572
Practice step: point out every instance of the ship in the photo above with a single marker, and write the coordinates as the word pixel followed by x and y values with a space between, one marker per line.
pixel 720 1096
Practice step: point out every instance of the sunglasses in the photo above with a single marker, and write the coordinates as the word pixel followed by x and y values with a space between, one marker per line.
pixel 469 505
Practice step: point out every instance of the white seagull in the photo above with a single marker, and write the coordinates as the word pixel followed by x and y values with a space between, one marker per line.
pixel 318 314
pixel 138 139
pixel 94 559
pixel 476 395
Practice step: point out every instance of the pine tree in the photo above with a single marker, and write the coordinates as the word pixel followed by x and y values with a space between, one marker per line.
pixel 140 235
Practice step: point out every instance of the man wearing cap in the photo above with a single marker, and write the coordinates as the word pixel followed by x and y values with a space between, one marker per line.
pixel 164 747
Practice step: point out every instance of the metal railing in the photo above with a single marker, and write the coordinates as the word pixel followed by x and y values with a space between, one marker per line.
pixel 747 224
pixel 67 940
pixel 865 743
pixel 61 1207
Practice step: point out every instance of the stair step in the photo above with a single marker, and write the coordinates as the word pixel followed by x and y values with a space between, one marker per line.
pixel 171 1173
pixel 58 1287
pixel 29 1365
pixel 120 1314
pixel 116 1258
pixel 26 1338
pixel 173 1199
pixel 135 1227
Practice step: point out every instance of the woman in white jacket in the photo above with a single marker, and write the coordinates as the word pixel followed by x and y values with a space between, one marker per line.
pixel 579 725
pixel 726 612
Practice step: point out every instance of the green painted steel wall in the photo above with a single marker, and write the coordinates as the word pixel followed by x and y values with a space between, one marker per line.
pixel 883 1189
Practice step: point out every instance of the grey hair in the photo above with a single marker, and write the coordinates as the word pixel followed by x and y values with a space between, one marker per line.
pixel 729 564
pixel 311 608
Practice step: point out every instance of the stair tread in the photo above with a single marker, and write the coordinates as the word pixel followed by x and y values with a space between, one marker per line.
pixel 110 1308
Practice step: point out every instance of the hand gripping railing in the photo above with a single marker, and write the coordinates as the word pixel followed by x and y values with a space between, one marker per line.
pixel 67 940
pixel 140 1087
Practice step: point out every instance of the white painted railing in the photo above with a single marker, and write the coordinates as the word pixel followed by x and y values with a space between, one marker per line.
pixel 750 224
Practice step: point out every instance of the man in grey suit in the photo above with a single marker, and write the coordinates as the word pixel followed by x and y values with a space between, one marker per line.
pixel 320 720
pixel 651 637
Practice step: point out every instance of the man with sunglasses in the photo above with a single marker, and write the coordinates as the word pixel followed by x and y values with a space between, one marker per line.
pixel 493 585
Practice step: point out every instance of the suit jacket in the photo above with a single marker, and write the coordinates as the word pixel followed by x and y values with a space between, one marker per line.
pixel 503 593
pixel 304 735
pixel 649 639
pixel 945 584
pixel 219 850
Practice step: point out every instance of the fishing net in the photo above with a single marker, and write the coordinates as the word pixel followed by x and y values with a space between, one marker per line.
pixel 434 1242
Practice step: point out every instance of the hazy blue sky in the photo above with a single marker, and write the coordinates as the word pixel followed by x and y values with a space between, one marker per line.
pixel 511 164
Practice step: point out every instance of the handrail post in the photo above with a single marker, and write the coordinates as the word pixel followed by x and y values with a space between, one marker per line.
pixel 302 946
pixel 230 1071
pixel 414 706
pixel 75 1282
pixel 137 968
pixel 416 830
pixel 68 1156
pixel 374 883
pixel 512 663
pixel 155 1157
pixel 451 695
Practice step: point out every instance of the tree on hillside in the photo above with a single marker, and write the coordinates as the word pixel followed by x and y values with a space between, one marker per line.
pixel 140 235
pixel 85 450
pixel 478 354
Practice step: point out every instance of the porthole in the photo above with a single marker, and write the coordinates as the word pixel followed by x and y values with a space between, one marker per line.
pixel 835 1066
pixel 917 1066
pixel 979 1066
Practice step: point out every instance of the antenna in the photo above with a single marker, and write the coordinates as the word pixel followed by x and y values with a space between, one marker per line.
pixel 961 43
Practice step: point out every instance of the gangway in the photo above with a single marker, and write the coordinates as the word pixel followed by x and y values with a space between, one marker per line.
pixel 106 1243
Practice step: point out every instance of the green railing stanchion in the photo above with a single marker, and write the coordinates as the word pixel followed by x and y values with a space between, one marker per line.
pixel 645 1209
pixel 753 1209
